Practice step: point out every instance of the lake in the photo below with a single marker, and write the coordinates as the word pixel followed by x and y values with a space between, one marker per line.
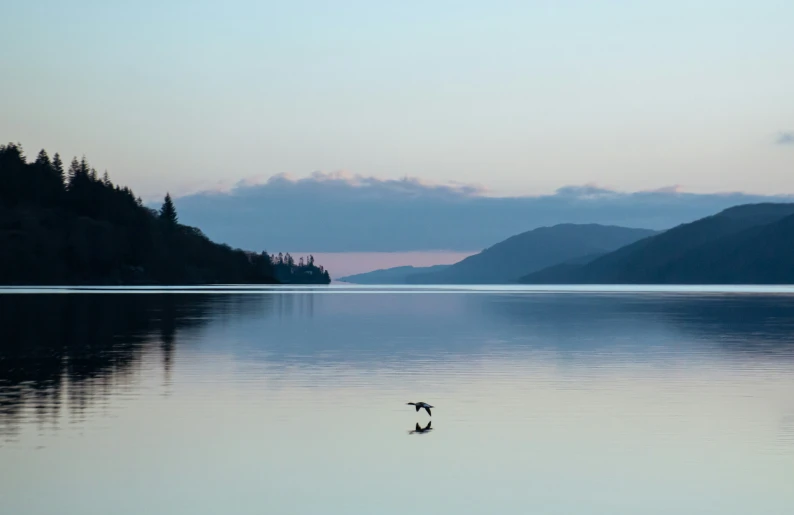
pixel 249 400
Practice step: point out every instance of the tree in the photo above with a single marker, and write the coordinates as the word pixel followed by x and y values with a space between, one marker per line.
pixel 85 168
pixel 12 174
pixel 57 166
pixel 46 179
pixel 74 172
pixel 168 211
pixel 43 160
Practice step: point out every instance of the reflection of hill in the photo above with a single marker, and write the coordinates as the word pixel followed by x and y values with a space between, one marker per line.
pixel 72 349
pixel 755 324
pixel 752 324
pixel 401 331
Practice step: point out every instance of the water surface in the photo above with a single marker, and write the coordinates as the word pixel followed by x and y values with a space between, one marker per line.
pixel 597 400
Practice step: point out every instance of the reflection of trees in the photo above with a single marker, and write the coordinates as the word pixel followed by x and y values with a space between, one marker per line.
pixel 72 350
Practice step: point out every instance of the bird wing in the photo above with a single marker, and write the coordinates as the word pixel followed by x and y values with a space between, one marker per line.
pixel 428 411
pixel 417 426
pixel 428 425
pixel 418 407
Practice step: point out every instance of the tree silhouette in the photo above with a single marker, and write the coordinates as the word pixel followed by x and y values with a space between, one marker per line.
pixel 43 159
pixel 46 182
pixel 83 229
pixel 74 172
pixel 168 211
pixel 57 166
pixel 85 168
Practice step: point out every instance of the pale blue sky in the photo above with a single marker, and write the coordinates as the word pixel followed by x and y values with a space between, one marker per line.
pixel 521 97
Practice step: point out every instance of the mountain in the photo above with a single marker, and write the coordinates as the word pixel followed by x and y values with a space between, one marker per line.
pixel 752 243
pixel 396 275
pixel 533 250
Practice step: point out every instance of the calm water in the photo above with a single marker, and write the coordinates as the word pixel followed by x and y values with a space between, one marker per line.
pixel 250 401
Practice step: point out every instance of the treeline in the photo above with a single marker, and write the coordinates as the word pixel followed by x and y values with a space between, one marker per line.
pixel 303 272
pixel 70 225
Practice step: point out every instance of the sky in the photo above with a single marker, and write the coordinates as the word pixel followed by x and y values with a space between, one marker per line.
pixel 517 98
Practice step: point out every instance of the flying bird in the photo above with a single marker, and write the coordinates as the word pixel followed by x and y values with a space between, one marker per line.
pixel 419 405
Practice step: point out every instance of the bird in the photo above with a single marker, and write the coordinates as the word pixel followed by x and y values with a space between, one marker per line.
pixel 420 430
pixel 419 405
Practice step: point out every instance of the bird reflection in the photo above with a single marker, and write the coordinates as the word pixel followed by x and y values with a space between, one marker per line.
pixel 421 430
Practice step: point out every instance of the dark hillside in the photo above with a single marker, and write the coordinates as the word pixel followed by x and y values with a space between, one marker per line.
pixel 60 226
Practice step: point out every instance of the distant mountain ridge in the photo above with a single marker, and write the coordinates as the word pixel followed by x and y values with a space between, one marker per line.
pixel 748 244
pixel 395 275
pixel 533 250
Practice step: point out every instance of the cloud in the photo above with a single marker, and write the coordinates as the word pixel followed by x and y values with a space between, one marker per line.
pixel 786 138
pixel 344 212
pixel 675 188
pixel 587 191
pixel 342 182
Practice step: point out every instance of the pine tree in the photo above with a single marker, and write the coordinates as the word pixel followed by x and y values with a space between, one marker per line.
pixel 57 165
pixel 85 168
pixel 48 178
pixel 43 160
pixel 168 211
pixel 106 180
pixel 74 172
pixel 13 187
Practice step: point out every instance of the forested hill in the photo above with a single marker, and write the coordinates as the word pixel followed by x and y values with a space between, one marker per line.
pixel 747 244
pixel 533 250
pixel 64 225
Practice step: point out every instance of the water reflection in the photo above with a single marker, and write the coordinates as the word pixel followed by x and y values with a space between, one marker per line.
pixel 195 402
pixel 419 430
pixel 77 350
pixel 742 323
